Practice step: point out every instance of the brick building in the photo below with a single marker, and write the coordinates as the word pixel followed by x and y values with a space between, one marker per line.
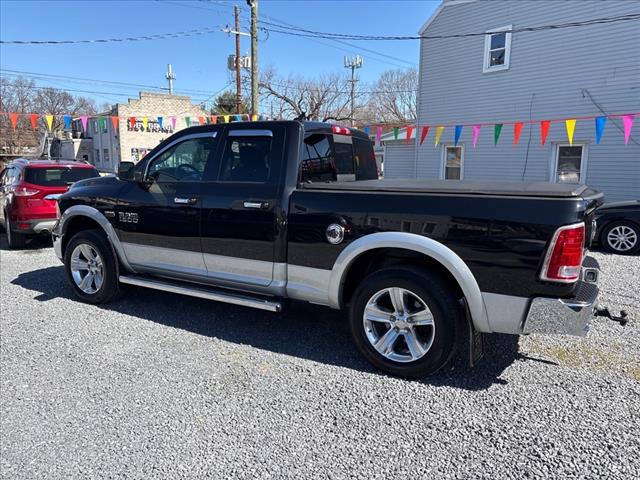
pixel 108 146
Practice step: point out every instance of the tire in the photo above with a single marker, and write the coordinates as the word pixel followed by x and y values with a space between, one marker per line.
pixel 89 253
pixel 622 237
pixel 421 291
pixel 14 240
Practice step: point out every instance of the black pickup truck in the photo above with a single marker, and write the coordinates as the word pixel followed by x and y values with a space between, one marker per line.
pixel 259 213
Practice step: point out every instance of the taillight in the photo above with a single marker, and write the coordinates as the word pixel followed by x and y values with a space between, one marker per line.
pixel 341 130
pixel 564 256
pixel 25 192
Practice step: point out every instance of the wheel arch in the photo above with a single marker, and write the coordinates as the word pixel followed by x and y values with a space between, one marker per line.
pixel 84 217
pixel 431 252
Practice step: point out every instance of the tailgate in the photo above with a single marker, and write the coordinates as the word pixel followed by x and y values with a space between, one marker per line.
pixel 593 199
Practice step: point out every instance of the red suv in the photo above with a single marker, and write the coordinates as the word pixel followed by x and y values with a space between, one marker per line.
pixel 28 194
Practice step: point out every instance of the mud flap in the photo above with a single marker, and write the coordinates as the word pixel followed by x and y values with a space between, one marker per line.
pixel 475 339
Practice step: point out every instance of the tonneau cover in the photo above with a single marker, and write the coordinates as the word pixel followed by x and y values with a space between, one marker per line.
pixel 459 187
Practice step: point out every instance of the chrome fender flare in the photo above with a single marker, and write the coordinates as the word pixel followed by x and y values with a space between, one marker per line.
pixel 100 219
pixel 417 243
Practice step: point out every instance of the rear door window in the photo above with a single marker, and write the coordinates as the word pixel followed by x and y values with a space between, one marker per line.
pixel 318 162
pixel 58 176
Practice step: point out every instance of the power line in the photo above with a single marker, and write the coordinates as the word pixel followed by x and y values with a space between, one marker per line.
pixel 328 35
pixel 92 80
pixel 156 36
pixel 354 48
pixel 95 92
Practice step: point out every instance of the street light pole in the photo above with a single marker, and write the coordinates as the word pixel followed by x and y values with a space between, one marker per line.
pixel 236 10
pixel 254 56
pixel 353 63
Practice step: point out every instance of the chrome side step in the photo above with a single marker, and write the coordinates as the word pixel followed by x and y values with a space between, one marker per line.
pixel 203 292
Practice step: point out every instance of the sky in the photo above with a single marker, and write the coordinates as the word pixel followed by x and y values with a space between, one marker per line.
pixel 199 62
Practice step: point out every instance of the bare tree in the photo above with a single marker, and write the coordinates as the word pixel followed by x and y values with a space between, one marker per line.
pixel 323 98
pixel 394 97
pixel 21 96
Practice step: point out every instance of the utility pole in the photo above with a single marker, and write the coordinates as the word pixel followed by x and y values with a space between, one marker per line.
pixel 353 63
pixel 236 11
pixel 170 76
pixel 254 56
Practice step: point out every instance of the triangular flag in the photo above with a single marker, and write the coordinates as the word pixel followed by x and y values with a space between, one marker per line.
pixel 115 122
pixel 423 135
pixel 160 122
pixel 67 122
pixel 187 120
pixel 600 123
pixel 49 119
pixel 34 121
pixel 456 134
pixel 226 118
pixel 254 117
pixel 83 120
pixel 201 120
pixel 173 122
pixel 395 133
pixel 476 135
pixel 627 121
pixel 239 118
pixel 378 135
pixel 439 131
pixel 544 131
pixel 497 128
pixel 102 122
pixel 214 119
pixel 132 122
pixel 13 118
pixel 517 130
pixel 409 132
pixel 570 123
pixel 366 130
pixel 145 122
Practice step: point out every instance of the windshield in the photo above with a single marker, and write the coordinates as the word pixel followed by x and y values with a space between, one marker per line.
pixel 58 176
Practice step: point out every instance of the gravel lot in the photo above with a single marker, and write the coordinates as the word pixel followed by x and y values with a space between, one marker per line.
pixel 159 385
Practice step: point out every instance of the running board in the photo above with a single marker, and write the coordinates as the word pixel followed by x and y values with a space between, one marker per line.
pixel 193 291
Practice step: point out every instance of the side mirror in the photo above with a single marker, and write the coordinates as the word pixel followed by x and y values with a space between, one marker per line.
pixel 126 170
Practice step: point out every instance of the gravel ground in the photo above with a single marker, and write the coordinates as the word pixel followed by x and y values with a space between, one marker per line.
pixel 158 385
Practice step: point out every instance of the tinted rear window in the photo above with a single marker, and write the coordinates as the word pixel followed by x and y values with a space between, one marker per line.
pixel 58 176
pixel 366 167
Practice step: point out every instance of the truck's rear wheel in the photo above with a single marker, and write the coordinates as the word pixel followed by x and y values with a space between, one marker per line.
pixel 406 321
pixel 91 267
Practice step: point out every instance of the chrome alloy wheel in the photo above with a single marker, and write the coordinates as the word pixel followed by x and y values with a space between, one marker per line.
pixel 622 238
pixel 399 325
pixel 87 268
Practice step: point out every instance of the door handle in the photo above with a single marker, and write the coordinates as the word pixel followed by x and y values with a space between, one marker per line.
pixel 257 205
pixel 185 201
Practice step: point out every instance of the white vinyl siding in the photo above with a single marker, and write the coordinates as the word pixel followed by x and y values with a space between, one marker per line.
pixel 399 159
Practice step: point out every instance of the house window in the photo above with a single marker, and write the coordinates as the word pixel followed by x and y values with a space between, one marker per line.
pixel 453 158
pixel 105 155
pixel 497 49
pixel 97 159
pixel 569 163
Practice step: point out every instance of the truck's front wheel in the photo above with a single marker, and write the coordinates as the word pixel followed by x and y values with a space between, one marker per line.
pixel 91 267
pixel 406 321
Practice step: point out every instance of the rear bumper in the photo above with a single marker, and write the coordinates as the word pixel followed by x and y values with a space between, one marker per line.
pixel 37 226
pixel 562 315
pixel 569 316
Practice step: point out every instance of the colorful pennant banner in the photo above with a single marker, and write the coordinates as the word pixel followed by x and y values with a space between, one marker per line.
pixel 600 123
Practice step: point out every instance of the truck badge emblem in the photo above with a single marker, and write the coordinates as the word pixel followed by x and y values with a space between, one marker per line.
pixel 128 217
pixel 335 233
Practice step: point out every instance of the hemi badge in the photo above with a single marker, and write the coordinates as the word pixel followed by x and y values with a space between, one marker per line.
pixel 109 214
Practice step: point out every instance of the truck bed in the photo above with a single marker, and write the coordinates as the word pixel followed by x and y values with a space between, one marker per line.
pixel 460 187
